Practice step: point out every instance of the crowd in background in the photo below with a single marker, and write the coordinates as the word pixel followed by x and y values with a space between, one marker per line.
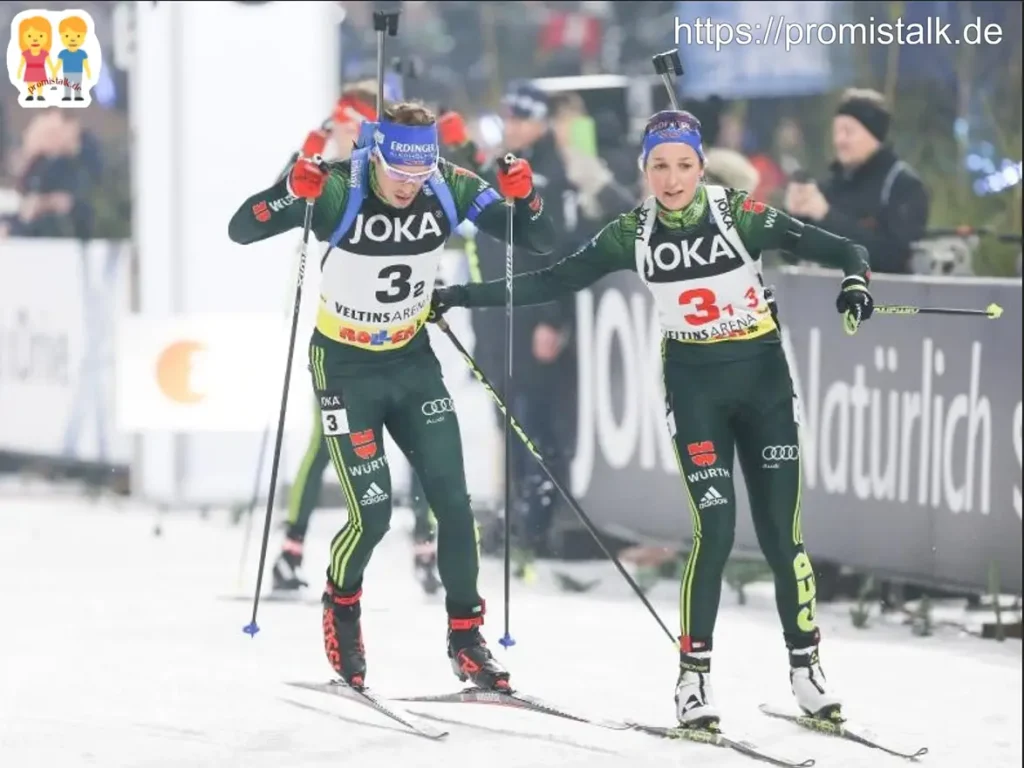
pixel 72 179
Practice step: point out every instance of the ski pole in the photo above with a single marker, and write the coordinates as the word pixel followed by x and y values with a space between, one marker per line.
pixel 258 480
pixel 992 311
pixel 573 504
pixel 252 627
pixel 505 163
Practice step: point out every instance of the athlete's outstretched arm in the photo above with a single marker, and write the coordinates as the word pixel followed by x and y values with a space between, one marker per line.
pixel 275 210
pixel 611 250
pixel 481 204
pixel 765 228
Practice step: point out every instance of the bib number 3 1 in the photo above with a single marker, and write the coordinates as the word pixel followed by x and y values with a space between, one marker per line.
pixel 700 305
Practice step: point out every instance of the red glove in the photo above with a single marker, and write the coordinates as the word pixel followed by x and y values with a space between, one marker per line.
pixel 516 181
pixel 315 143
pixel 307 178
pixel 451 129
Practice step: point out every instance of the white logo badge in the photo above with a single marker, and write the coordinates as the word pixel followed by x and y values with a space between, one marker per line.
pixel 374 495
pixel 437 407
pixel 712 498
pixel 781 453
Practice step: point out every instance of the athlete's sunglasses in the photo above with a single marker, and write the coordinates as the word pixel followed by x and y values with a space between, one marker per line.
pixel 400 175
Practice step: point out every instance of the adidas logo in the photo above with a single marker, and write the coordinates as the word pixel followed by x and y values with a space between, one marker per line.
pixel 373 495
pixel 712 498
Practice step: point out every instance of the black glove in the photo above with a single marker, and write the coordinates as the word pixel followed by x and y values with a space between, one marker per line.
pixel 854 302
pixel 444 299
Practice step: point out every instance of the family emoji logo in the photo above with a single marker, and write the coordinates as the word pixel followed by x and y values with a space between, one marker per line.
pixel 54 58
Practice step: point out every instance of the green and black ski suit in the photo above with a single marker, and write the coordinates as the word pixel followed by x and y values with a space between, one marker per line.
pixel 304 496
pixel 370 357
pixel 727 382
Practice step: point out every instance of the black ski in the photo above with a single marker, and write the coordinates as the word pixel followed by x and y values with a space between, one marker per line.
pixel 378 703
pixel 717 739
pixel 839 730
pixel 514 700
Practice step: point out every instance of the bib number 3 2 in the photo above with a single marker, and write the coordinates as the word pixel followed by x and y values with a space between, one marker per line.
pixel 399 284
pixel 700 305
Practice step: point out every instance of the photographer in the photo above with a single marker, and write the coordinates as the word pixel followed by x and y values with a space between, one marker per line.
pixel 871 197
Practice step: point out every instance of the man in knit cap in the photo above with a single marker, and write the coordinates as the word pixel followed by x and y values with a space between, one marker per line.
pixel 871 196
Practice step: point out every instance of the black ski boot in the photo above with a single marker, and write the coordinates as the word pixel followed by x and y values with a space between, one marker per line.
pixel 287 573
pixel 470 657
pixel 343 635
pixel 425 565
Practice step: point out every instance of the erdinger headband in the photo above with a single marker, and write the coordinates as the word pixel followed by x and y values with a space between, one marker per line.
pixel 672 128
pixel 406 144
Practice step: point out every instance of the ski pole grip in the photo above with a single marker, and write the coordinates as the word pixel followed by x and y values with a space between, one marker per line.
pixel 386 21
pixel 668 62
pixel 666 65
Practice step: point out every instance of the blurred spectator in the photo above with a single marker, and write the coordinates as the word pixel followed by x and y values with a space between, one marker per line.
pixel 734 140
pixel 731 132
pixel 544 355
pixel 5 138
pixel 55 170
pixel 730 169
pixel 790 148
pixel 871 197
pixel 771 179
pixel 571 38
pixel 599 195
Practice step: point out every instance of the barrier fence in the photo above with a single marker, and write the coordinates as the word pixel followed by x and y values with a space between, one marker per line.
pixel 911 430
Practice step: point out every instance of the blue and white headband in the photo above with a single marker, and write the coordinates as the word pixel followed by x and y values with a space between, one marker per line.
pixel 406 144
pixel 671 127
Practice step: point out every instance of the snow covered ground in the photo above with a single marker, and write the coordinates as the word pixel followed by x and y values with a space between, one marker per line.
pixel 118 650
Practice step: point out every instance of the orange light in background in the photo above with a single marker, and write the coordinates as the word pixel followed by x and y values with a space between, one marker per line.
pixel 174 372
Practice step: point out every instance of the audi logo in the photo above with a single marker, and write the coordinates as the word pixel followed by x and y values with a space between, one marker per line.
pixel 781 453
pixel 435 407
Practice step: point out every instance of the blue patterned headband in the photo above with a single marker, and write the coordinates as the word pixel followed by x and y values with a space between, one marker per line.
pixel 672 127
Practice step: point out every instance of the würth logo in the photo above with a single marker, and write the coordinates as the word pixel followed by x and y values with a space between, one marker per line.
pixel 702 454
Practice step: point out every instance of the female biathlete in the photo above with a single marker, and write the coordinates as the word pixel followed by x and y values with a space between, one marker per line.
pixel 729 393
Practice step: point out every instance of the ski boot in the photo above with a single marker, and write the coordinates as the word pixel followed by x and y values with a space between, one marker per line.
pixel 287 573
pixel 343 635
pixel 695 706
pixel 425 565
pixel 808 682
pixel 470 657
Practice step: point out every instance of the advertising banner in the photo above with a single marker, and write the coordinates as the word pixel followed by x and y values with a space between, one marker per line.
pixel 911 430
pixel 200 373
pixel 59 300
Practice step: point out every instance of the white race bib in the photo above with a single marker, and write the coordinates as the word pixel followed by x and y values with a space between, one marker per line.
pixel 710 308
pixel 376 302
